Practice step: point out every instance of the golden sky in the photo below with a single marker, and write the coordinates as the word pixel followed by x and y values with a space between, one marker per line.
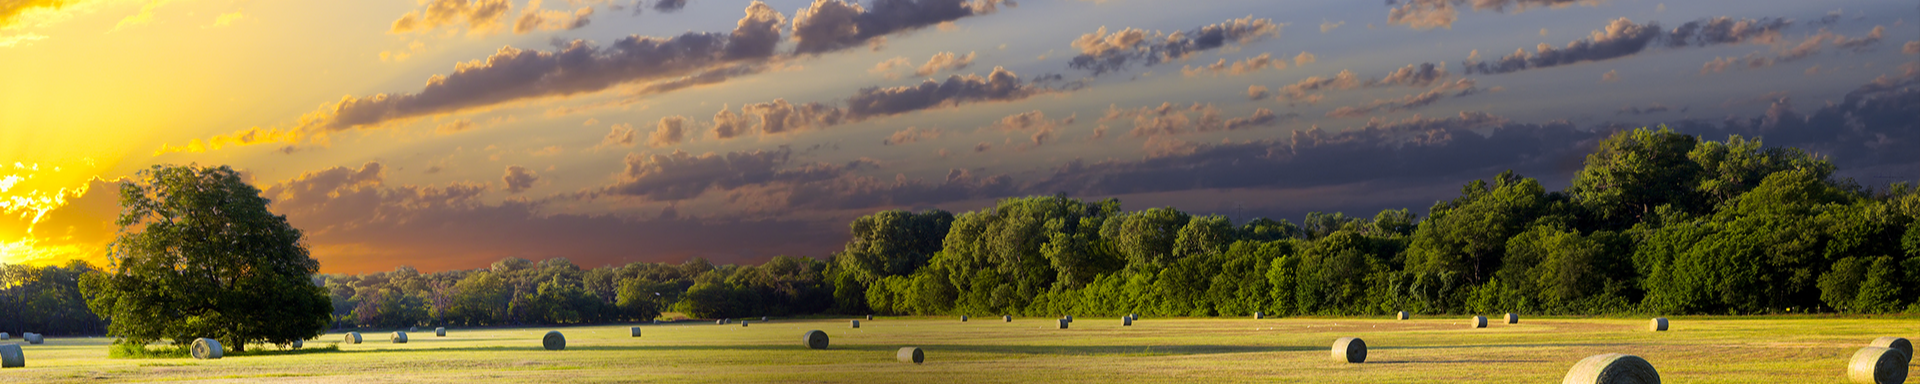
pixel 451 133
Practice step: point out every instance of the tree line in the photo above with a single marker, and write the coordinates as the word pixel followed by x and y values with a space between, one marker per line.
pixel 1656 222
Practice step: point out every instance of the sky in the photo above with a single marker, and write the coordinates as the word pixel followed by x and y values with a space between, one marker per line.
pixel 447 134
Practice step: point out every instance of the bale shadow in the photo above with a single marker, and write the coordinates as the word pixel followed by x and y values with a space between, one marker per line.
pixel 1501 346
pixel 1456 361
pixel 1028 350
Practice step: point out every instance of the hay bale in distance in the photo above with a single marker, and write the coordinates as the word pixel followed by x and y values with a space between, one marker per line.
pixel 743 324
pixel 856 324
pixel 869 317
pixel 719 322
pixel 1658 324
pixel 763 319
pixel 1513 319
pixel 398 337
pixel 963 318
pixel 635 330
pixel 297 344
pixel 1350 350
pixel 1006 318
pixel 1069 318
pixel 1896 343
pixel 206 349
pixel 1612 368
pixel 910 355
pixel 1401 316
pixel 12 357
pixel 1126 321
pixel 33 338
pixel 5 336
pixel 413 329
pixel 1063 323
pixel 554 341
pixel 1877 365
pixel 1259 315
pixel 1477 322
pixel 440 332
pixel 353 338
pixel 814 339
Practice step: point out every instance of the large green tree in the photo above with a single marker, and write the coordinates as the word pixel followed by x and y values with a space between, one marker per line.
pixel 199 255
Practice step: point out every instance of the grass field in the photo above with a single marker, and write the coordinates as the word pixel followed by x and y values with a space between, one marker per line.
pixel 1030 350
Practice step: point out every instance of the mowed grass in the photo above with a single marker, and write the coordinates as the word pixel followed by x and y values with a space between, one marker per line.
pixel 1030 350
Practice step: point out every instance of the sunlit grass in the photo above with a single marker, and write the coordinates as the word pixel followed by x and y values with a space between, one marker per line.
pixel 1154 350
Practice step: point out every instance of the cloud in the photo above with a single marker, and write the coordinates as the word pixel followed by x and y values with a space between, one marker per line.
pixel 226 19
pixel 668 5
pixel 727 125
pixel 1912 48
pixel 1101 52
pixel 1249 65
pixel 890 68
pixel 779 116
pixel 944 61
pixel 10 10
pixel 480 16
pixel 1168 119
pixel 912 135
pixel 536 19
pixel 1621 38
pixel 680 176
pixel 830 25
pixel 1305 58
pixel 1329 26
pixel 1726 30
pixel 20 40
pixel 1413 75
pixel 669 132
pixel 1459 88
pixel 456 126
pixel 1258 92
pixel 250 136
pixel 999 85
pixel 519 179
pixel 1429 14
pixel 620 134
pixel 355 222
pixel 1303 90
pixel 982 147
pixel 1650 109
pixel 1610 76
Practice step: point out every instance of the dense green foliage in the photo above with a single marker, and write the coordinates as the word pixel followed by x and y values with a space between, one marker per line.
pixel 199 255
pixel 1656 222
pixel 46 300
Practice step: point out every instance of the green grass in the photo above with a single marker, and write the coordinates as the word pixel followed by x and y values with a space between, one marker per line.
pixel 1028 350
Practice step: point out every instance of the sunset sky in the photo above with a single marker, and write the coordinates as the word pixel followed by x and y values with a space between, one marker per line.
pixel 446 134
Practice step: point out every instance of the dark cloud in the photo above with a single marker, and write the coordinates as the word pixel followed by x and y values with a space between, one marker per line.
pixel 1650 109
pixel 480 16
pixel 1428 14
pixel 780 116
pixel 681 176
pixel 1726 30
pixel 1620 38
pixel 1101 52
pixel 356 223
pixel 829 25
pixel 1169 119
pixel 519 179
pixel 999 85
pixel 668 5
pixel 1459 88
pixel 576 67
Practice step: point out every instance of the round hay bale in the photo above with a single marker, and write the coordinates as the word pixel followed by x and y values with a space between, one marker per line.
pixel 206 349
pixel 1258 315
pixel 1658 324
pixel 1401 316
pixel 297 344
pixel 554 341
pixel 635 330
pixel 398 337
pixel 814 339
pixel 1612 368
pixel 1134 316
pixel 1006 318
pixel 33 338
pixel 1126 321
pixel 413 329
pixel 1350 350
pixel 1513 319
pixel 353 338
pixel 1063 323
pixel 1877 365
pixel 656 321
pixel 12 357
pixel 910 355
pixel 743 324
pixel 440 332
pixel 1896 343
pixel 869 317
pixel 5 336
pixel 1069 318
pixel 1477 322
pixel 763 319
pixel 719 322
pixel 963 318
pixel 856 324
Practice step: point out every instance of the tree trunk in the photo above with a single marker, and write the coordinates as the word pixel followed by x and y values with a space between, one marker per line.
pixel 239 347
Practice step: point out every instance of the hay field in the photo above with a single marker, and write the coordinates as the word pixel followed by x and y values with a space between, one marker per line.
pixel 1030 350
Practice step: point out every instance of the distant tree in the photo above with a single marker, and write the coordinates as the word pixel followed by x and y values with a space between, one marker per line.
pixel 199 255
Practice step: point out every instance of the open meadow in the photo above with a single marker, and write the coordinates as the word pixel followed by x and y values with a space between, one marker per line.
pixel 1029 350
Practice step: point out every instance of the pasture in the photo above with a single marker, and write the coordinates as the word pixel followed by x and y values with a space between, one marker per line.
pixel 1029 350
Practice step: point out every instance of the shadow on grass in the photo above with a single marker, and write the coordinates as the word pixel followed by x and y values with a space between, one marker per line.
pixel 1455 361
pixel 1030 350
pixel 1499 346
